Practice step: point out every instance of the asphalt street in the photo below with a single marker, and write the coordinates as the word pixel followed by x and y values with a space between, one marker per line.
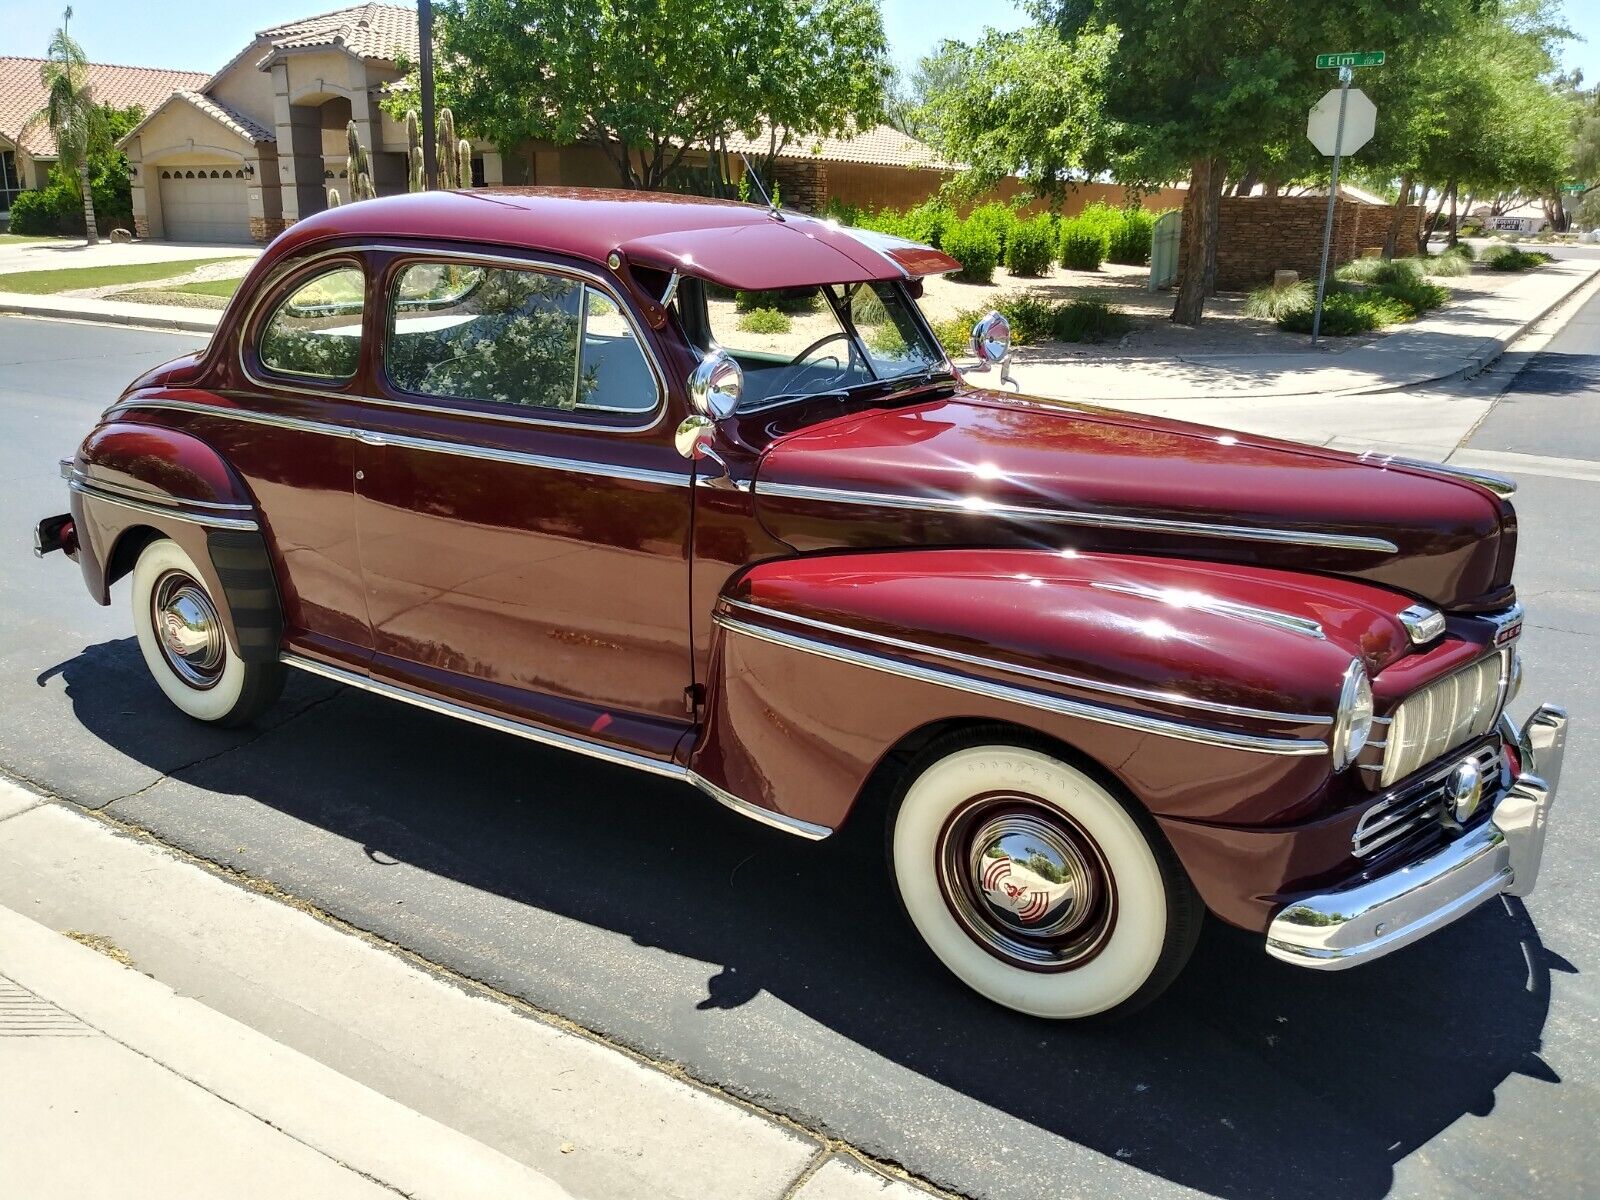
pixel 782 971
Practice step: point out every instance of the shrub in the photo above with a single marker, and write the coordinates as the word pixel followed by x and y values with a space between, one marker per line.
pixel 998 219
pixel 955 333
pixel 975 248
pixel 927 222
pixel 886 339
pixel 1349 312
pixel 1101 220
pixel 1509 258
pixel 841 211
pixel 1462 250
pixel 765 320
pixel 1414 293
pixel 40 212
pixel 1129 242
pixel 1443 265
pixel 1273 302
pixel 1032 318
pixel 1081 249
pixel 789 300
pixel 1379 271
pixel 1031 247
pixel 1089 320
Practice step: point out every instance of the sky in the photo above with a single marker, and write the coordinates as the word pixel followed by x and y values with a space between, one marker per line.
pixel 201 35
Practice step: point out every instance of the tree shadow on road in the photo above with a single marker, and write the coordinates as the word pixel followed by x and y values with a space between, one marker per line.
pixel 1250 1078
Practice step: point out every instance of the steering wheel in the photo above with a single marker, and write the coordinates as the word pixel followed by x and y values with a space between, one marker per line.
pixel 799 361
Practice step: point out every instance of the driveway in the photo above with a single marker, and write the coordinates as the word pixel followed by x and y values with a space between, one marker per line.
pixel 73 252
pixel 782 971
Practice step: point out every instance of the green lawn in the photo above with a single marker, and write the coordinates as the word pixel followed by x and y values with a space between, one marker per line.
pixel 11 239
pixel 211 287
pixel 41 283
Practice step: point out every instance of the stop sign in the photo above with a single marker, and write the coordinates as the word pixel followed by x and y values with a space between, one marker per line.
pixel 1360 119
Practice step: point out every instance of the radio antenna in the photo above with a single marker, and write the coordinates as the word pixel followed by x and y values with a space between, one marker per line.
pixel 760 187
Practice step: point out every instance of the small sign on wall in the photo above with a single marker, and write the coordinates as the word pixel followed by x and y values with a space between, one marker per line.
pixel 255 195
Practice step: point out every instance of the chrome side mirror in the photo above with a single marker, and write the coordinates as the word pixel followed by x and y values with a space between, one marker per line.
pixel 716 385
pixel 694 439
pixel 991 343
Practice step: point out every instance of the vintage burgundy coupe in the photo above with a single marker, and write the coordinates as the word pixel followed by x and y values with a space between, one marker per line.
pixel 514 457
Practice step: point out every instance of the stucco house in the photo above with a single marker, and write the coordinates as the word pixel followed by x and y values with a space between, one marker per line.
pixel 28 149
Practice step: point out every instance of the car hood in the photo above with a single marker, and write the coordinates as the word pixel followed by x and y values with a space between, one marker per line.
pixel 993 469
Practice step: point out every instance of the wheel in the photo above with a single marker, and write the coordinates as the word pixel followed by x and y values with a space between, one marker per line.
pixel 181 636
pixel 1038 887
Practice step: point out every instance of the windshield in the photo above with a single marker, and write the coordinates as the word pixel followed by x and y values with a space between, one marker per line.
pixel 802 341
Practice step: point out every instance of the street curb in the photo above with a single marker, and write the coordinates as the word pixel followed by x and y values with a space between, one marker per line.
pixel 135 320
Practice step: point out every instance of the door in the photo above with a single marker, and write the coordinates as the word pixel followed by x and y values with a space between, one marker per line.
pixel 522 515
pixel 204 204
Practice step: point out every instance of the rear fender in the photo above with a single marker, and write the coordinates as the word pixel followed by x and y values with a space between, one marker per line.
pixel 132 482
pixel 1207 690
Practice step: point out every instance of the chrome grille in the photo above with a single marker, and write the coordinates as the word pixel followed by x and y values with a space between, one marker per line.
pixel 1447 713
pixel 1396 817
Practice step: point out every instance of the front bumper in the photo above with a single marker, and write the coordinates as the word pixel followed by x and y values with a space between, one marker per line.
pixel 1343 928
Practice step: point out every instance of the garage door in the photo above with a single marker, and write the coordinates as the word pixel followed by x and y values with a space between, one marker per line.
pixel 204 204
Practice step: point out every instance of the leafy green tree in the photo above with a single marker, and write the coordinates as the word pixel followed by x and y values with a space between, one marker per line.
pixel 1200 87
pixel 79 124
pixel 647 81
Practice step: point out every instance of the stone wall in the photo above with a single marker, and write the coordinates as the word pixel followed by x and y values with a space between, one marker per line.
pixel 264 229
pixel 1258 235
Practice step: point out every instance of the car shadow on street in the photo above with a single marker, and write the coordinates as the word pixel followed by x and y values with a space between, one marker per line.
pixel 1249 1078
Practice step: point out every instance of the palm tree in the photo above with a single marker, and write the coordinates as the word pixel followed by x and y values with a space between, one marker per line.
pixel 79 124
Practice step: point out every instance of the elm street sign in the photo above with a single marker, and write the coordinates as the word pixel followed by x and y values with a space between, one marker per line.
pixel 1341 123
pixel 1364 58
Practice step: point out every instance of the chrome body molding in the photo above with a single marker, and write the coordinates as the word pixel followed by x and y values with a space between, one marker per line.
pixel 1423 623
pixel 1507 623
pixel 212 519
pixel 1378 916
pixel 545 462
pixel 218 506
pixel 1165 727
pixel 1056 677
pixel 535 733
pixel 1501 485
pixel 1181 598
pixel 976 506
pixel 766 816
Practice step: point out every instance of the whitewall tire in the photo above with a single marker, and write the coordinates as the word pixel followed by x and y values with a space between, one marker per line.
pixel 180 632
pixel 1036 885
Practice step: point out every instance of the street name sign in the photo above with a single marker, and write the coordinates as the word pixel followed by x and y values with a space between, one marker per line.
pixel 1361 58
pixel 1360 121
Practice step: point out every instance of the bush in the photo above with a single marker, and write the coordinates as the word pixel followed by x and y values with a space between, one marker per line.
pixel 789 300
pixel 1031 247
pixel 927 222
pixel 998 219
pixel 844 213
pixel 1509 258
pixel 955 333
pixel 1081 249
pixel 1273 302
pixel 42 211
pixel 1088 320
pixel 1032 318
pixel 1414 293
pixel 1380 271
pixel 1443 265
pixel 975 248
pixel 1129 242
pixel 1101 220
pixel 1343 314
pixel 1462 250
pixel 765 320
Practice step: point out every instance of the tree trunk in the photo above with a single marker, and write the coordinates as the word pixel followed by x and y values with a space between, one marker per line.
pixel 88 203
pixel 1205 187
pixel 1392 238
pixel 1247 182
pixel 1434 220
pixel 1270 187
pixel 1454 235
pixel 1212 240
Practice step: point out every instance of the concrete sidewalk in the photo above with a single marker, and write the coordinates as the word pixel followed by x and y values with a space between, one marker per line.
pixel 253 1050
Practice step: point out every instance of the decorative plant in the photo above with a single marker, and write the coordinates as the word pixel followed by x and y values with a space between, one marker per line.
pixel 417 180
pixel 445 140
pixel 463 163
pixel 360 167
pixel 333 198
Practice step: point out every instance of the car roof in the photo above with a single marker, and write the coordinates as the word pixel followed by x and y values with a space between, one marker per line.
pixel 742 246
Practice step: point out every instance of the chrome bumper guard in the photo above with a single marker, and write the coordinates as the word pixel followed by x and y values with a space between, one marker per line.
pixel 1344 928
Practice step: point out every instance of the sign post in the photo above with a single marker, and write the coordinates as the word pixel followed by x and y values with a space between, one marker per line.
pixel 1360 131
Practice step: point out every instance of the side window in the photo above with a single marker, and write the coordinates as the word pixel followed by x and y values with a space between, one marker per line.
pixel 316 331
pixel 514 336
pixel 614 375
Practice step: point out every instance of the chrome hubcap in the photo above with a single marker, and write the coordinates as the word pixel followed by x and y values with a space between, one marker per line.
pixel 1026 882
pixel 188 629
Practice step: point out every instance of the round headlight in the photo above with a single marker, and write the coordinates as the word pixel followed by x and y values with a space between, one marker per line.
pixel 1353 723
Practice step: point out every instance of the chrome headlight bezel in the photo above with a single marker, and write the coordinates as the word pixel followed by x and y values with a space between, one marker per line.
pixel 1352 724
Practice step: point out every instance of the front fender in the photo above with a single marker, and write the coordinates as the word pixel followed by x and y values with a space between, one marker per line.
pixel 129 480
pixel 1207 689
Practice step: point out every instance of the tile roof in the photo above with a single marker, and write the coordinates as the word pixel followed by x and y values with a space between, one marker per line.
pixel 375 32
pixel 22 95
pixel 229 118
pixel 882 145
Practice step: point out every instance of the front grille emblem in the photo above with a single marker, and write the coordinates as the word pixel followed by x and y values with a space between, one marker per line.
pixel 1463 792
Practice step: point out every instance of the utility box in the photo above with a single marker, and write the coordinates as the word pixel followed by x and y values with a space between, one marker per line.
pixel 1165 240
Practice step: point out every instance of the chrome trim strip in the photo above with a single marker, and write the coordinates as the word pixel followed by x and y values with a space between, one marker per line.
pixel 462 449
pixel 976 506
pixel 1501 485
pixel 1016 695
pixel 1076 681
pixel 1423 623
pixel 210 520
pixel 534 733
pixel 105 485
pixel 1182 598
pixel 776 820
pixel 352 253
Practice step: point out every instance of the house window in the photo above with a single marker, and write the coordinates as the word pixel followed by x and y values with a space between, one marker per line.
pixel 10 180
